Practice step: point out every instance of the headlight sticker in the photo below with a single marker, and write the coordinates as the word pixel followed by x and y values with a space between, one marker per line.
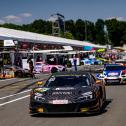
pixel 41 89
pixel 52 79
pixel 87 95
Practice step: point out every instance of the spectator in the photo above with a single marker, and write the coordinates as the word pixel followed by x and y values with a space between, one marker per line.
pixel 31 67
pixel 39 58
pixel 64 61
pixel 75 62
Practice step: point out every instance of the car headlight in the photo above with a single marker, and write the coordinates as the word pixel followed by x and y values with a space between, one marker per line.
pixel 86 96
pixel 38 97
pixel 104 73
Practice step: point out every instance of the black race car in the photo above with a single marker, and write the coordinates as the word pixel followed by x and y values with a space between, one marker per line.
pixel 18 71
pixel 68 92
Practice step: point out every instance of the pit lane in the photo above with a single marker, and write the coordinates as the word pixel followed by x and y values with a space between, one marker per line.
pixel 17 113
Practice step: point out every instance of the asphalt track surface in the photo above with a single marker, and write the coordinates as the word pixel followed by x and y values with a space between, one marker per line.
pixel 14 102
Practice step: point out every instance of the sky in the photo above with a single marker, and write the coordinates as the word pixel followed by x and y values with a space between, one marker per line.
pixel 26 11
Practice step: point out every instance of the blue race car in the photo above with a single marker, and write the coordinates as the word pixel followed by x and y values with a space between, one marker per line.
pixel 112 74
pixel 93 61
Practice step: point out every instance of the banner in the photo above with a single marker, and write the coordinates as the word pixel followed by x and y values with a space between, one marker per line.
pixel 9 43
pixel 100 50
pixel 87 48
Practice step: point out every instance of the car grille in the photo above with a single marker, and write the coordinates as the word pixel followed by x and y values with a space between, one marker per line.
pixel 61 108
pixel 112 80
pixel 69 95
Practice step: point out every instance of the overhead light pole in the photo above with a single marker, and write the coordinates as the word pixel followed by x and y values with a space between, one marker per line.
pixel 58 24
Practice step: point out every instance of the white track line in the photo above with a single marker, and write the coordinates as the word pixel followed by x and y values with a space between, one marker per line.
pixel 22 78
pixel 15 94
pixel 14 100
pixel 8 79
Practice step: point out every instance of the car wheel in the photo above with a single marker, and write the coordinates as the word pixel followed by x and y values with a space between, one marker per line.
pixel 19 74
pixel 100 102
pixel 54 70
pixel 104 96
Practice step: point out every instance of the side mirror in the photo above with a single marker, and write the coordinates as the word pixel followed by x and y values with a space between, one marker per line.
pixel 100 76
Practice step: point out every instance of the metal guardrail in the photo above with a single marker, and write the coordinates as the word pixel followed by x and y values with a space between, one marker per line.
pixel 88 68
pixel 93 68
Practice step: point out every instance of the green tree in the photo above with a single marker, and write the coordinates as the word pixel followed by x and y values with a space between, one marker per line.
pixel 12 26
pixel 80 30
pixel 68 35
pixel 70 27
pixel 123 38
pixel 89 31
pixel 116 31
pixel 99 31
pixel 40 26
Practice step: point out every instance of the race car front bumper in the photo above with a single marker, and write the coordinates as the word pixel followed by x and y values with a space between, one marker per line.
pixel 88 106
pixel 112 80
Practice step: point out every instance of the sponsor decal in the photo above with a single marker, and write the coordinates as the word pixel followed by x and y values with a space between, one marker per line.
pixel 41 89
pixel 67 88
pixel 52 79
pixel 61 93
pixel 113 74
pixel 60 101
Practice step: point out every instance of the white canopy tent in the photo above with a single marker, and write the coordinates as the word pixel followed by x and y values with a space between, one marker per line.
pixel 17 35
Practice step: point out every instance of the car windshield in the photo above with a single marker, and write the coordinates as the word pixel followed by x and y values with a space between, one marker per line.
pixel 39 64
pixel 67 81
pixel 115 68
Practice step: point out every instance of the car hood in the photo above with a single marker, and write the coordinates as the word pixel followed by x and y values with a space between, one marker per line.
pixel 70 93
pixel 112 73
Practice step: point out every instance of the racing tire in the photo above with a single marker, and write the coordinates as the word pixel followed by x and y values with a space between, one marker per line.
pixel 104 99
pixel 19 74
pixel 100 102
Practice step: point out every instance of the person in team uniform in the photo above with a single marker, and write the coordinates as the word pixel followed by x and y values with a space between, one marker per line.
pixel 31 66
pixel 75 62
